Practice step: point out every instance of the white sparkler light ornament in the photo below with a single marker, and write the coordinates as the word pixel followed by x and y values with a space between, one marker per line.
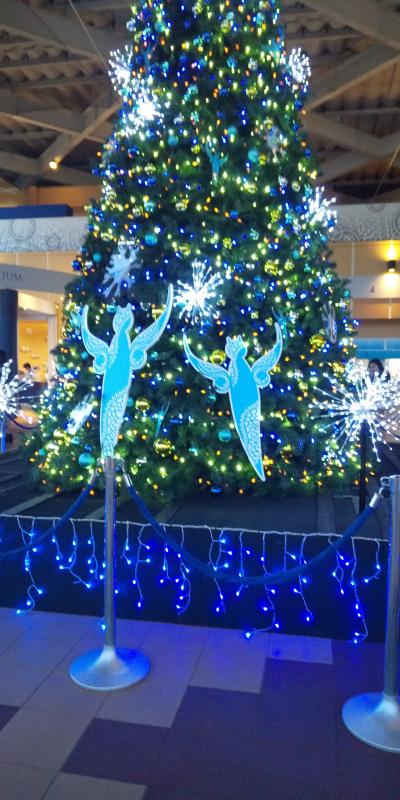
pixel 357 400
pixel 196 298
pixel 319 208
pixel 10 390
pixel 299 66
pixel 120 70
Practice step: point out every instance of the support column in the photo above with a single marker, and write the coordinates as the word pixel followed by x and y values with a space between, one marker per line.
pixel 9 325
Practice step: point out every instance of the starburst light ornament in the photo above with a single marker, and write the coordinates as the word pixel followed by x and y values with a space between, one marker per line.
pixel 319 208
pixel 196 299
pixel 357 400
pixel 10 390
pixel 299 66
pixel 120 70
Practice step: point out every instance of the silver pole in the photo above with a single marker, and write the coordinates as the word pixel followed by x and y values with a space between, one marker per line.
pixel 110 550
pixel 375 717
pixel 390 686
pixel 109 667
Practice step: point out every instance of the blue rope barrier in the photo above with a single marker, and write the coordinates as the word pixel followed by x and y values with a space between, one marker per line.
pixel 55 528
pixel 274 579
pixel 23 427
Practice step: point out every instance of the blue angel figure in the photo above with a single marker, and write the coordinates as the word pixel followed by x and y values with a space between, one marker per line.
pixel 243 383
pixel 116 362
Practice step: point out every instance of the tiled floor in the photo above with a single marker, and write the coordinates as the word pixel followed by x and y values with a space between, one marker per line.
pixel 218 717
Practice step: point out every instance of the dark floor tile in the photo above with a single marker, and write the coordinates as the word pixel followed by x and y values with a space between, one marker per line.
pixel 6 712
pixel 117 751
pixel 160 792
pixel 357 669
pixel 365 773
pixel 245 747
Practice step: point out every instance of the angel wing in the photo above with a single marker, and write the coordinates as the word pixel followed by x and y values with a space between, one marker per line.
pixel 217 374
pixel 262 367
pixel 145 339
pixel 96 347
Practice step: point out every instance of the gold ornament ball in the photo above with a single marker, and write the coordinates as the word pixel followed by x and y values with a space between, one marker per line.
pixel 218 357
pixel 317 340
pixel 156 312
pixel 185 249
pixel 162 446
pixel 227 242
pixel 142 404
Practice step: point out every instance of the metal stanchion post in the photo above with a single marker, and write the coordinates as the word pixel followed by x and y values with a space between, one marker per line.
pixel 375 718
pixel 3 442
pixel 109 667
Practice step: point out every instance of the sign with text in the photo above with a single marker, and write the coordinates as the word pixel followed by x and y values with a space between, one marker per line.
pixel 33 279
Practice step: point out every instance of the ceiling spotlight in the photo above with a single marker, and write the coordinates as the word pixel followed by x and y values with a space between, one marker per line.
pixel 53 164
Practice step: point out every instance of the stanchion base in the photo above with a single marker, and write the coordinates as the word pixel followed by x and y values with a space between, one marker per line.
pixel 374 719
pixel 109 668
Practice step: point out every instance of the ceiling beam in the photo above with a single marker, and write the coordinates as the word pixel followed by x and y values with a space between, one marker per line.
pixel 25 136
pixel 323 34
pixel 366 16
pixel 94 115
pixel 347 163
pixel 22 165
pixel 354 70
pixel 53 28
pixel 57 119
pixel 57 83
pixel 345 135
pixel 62 60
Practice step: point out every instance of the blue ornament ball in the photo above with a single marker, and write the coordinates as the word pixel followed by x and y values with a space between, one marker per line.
pixel 225 435
pixel 42 451
pixel 296 254
pixel 173 140
pixel 150 239
pixel 253 155
pixel 129 403
pixel 232 131
pixel 97 258
pixel 160 26
pixel 84 355
pixel 149 206
pixel 85 460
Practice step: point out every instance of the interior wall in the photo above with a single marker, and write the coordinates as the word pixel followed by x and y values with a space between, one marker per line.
pixel 33 346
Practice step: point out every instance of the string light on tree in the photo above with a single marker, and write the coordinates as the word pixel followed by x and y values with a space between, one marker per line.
pixel 196 299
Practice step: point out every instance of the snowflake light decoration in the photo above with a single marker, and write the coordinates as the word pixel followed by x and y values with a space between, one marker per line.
pixel 120 70
pixel 299 66
pixel 117 275
pixel 11 389
pixel 196 298
pixel 319 208
pixel 351 403
pixel 145 106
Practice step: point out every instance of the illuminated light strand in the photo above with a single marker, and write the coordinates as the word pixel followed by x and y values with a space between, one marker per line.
pixel 221 551
pixel 299 66
pixel 33 589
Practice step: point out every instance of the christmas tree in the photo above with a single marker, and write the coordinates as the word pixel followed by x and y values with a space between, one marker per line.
pixel 208 185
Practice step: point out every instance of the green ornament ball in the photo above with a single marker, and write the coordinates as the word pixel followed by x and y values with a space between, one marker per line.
pixel 150 239
pixel 225 435
pixel 85 460
pixel 253 155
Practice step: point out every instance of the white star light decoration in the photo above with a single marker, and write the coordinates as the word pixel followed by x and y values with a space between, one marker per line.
pixel 120 70
pixel 359 400
pixel 196 298
pixel 299 66
pixel 117 275
pixel 10 390
pixel 320 208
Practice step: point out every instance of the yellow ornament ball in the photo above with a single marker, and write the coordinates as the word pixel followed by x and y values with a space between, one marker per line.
pixel 142 404
pixel 162 446
pixel 156 312
pixel 317 340
pixel 217 357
